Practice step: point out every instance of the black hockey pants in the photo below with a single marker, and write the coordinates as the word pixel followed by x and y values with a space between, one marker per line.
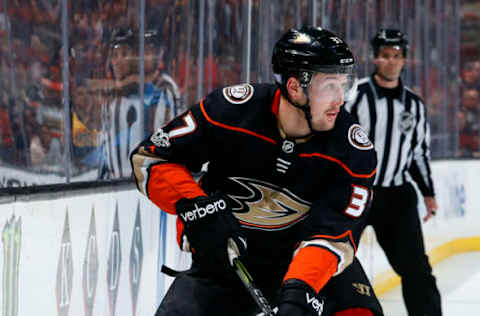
pixel 195 293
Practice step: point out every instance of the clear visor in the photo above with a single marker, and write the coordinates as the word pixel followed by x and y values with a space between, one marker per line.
pixel 333 87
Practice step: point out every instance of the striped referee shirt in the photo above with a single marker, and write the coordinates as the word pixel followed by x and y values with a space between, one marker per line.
pixel 395 121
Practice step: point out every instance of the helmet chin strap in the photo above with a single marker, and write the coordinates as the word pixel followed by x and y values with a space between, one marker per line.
pixel 305 108
pixel 305 79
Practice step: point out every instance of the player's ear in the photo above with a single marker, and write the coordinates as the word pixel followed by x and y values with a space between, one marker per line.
pixel 294 89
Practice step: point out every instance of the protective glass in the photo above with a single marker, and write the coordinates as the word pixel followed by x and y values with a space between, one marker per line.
pixel 332 87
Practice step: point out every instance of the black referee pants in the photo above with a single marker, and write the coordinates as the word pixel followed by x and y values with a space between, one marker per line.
pixel 395 219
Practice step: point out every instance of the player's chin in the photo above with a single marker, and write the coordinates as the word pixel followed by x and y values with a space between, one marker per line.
pixel 324 125
pixel 392 76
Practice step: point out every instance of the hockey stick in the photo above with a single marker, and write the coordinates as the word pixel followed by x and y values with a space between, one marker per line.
pixel 247 280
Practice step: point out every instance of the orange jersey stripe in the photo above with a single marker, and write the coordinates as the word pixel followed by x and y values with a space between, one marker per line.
pixel 233 128
pixel 168 183
pixel 276 102
pixel 344 166
pixel 314 266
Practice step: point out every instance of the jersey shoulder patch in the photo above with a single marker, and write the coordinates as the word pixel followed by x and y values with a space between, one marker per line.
pixel 358 138
pixel 238 94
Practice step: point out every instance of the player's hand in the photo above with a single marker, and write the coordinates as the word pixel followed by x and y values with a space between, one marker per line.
pixel 298 299
pixel 431 206
pixel 208 223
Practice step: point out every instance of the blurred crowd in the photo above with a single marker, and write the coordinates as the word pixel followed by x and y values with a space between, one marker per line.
pixel 105 71
pixel 32 109
pixel 468 114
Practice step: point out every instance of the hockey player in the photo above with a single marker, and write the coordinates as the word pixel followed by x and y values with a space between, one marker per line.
pixel 122 111
pixel 395 118
pixel 125 120
pixel 161 93
pixel 288 179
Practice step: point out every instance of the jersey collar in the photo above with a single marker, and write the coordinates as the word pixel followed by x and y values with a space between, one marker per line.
pixel 393 93
pixel 276 103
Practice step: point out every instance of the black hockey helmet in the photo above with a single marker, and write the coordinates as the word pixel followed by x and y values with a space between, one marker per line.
pixel 389 37
pixel 311 49
pixel 123 36
pixel 154 44
pixel 302 53
pixel 153 38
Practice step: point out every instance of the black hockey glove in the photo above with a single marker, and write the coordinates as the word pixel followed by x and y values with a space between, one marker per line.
pixel 208 223
pixel 298 299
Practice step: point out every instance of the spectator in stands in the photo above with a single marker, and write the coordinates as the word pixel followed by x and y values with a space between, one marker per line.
pixel 468 143
pixel 46 147
pixel 85 103
pixel 469 123
pixel 6 133
pixel 470 74
pixel 471 106
pixel 20 116
pixel 161 93
pixel 159 14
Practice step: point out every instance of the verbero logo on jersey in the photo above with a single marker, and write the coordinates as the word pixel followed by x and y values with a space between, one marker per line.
pixel 205 210
pixel 315 303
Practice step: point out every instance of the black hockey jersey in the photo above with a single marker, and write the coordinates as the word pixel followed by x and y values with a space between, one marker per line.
pixel 288 194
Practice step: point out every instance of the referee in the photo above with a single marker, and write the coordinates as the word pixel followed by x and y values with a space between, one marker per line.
pixel 395 119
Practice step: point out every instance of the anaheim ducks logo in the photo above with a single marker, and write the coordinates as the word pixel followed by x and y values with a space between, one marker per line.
pixel 267 206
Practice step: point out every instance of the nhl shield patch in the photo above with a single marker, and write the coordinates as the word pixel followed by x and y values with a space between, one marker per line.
pixel 238 94
pixel 358 138
pixel 406 122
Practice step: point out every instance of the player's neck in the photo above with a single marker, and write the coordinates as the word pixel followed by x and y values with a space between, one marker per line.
pixel 384 83
pixel 292 120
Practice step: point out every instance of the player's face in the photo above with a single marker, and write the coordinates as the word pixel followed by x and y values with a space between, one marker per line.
pixel 389 62
pixel 122 61
pixel 150 56
pixel 327 94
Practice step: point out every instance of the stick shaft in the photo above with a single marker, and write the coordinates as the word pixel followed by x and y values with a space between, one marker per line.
pixel 247 280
